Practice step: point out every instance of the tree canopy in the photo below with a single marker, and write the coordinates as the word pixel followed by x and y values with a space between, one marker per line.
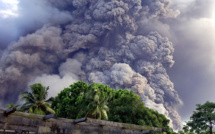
pixel 35 101
pixel 95 102
pixel 203 118
pixel 127 107
pixel 101 102
pixel 69 102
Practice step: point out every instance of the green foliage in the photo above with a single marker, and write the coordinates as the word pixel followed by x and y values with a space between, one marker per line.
pixel 70 101
pixel 96 98
pixel 101 102
pixel 11 106
pixel 35 101
pixel 203 118
pixel 180 132
pixel 126 107
pixel 186 129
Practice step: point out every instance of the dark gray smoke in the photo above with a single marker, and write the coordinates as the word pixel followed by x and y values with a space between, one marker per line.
pixel 109 42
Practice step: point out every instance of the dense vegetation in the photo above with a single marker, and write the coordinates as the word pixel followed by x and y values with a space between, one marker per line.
pixel 202 120
pixel 101 102
pixel 94 101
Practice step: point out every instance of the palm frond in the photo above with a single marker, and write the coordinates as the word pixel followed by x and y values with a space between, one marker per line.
pixel 50 110
pixel 27 97
pixel 37 110
pixel 25 107
pixel 50 99
pixel 105 107
pixel 104 114
pixel 35 100
pixel 46 93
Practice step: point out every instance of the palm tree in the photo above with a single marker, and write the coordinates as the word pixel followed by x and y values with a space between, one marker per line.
pixel 35 101
pixel 97 103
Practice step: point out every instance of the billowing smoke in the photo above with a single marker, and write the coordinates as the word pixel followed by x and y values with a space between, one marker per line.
pixel 30 16
pixel 108 41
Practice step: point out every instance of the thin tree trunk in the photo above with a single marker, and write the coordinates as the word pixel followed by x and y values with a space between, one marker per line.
pixel 211 127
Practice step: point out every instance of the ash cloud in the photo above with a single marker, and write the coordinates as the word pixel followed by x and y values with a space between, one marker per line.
pixel 199 9
pixel 31 56
pixel 30 16
pixel 106 42
pixel 193 73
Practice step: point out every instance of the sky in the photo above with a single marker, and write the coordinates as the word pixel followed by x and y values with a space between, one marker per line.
pixel 193 73
pixel 190 26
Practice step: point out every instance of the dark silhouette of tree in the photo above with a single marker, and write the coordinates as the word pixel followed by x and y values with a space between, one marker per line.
pixel 203 118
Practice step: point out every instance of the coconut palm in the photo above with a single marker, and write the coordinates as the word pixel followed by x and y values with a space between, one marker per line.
pixel 97 103
pixel 35 101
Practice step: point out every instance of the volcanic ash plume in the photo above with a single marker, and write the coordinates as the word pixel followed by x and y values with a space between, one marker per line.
pixel 106 42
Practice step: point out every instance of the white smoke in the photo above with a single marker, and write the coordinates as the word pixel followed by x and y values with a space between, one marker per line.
pixel 107 42
pixel 67 76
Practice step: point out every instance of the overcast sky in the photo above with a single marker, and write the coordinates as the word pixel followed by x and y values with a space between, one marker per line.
pixel 192 33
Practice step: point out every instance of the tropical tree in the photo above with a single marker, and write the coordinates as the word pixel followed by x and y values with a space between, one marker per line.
pixel 127 107
pixel 187 130
pixel 123 106
pixel 35 101
pixel 96 100
pixel 69 102
pixel 101 102
pixel 83 100
pixel 203 118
